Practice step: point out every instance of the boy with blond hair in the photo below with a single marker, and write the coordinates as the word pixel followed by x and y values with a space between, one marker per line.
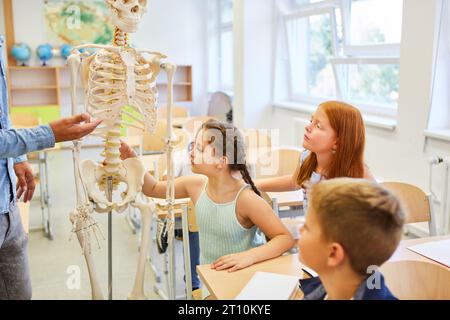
pixel 352 227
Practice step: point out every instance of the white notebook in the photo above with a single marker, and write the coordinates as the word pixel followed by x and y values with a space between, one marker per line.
pixel 438 251
pixel 269 286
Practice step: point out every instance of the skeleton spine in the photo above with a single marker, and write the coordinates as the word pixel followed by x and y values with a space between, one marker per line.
pixel 112 146
pixel 112 138
pixel 120 38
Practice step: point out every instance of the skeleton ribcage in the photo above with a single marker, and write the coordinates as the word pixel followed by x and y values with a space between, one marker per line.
pixel 113 85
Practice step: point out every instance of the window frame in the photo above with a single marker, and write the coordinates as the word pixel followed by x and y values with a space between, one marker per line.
pixel 344 54
pixel 220 29
pixel 301 14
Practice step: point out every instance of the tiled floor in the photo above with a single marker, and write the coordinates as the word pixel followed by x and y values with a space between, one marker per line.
pixel 55 263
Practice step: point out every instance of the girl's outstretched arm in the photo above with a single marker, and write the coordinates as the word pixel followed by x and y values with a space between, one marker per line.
pixel 280 184
pixel 184 186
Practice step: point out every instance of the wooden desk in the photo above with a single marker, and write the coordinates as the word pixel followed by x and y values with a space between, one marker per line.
pixel 404 254
pixel 162 214
pixel 224 285
pixel 288 199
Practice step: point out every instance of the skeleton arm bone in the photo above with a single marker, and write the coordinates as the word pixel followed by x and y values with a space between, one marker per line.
pixel 185 187
pixel 153 53
pixel 74 62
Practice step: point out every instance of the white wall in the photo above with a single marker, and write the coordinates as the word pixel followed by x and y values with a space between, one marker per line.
pixel 399 155
pixel 176 28
pixel 253 31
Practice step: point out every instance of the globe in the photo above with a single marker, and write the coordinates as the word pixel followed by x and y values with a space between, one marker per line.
pixel 44 52
pixel 21 52
pixel 65 50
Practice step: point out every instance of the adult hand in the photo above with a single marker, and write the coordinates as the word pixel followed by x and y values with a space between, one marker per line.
pixel 76 127
pixel 25 181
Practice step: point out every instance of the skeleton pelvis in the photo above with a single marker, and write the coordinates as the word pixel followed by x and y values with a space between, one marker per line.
pixel 129 172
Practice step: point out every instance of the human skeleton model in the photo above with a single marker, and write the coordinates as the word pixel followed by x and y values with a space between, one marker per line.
pixel 114 77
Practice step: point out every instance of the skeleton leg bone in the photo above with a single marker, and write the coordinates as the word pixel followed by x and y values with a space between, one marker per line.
pixel 83 223
pixel 146 210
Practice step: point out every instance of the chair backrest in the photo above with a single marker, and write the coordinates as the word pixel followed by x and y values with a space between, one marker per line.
pixel 24 120
pixel 183 138
pixel 192 218
pixel 219 105
pixel 277 162
pixel 415 202
pixel 155 142
pixel 257 138
pixel 177 112
pixel 417 280
pixel 195 123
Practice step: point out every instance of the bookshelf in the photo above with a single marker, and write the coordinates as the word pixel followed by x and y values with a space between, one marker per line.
pixel 45 91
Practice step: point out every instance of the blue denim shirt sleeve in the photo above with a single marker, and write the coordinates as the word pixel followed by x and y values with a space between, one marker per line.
pixel 14 143
pixel 20 159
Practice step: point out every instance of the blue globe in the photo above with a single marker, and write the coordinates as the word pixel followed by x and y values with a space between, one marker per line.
pixel 65 50
pixel 44 52
pixel 21 52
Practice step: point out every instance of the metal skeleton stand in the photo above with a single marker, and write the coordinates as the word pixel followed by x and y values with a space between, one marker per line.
pixel 110 281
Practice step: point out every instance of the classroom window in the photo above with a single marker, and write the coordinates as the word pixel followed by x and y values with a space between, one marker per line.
pixel 370 81
pixel 347 49
pixel 439 118
pixel 375 21
pixel 311 70
pixel 220 45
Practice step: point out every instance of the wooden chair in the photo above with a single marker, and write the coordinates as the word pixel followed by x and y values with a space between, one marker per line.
pixel 277 162
pixel 177 112
pixel 417 280
pixel 257 138
pixel 154 143
pixel 416 204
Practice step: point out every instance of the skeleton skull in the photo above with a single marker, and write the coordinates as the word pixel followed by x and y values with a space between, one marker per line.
pixel 126 14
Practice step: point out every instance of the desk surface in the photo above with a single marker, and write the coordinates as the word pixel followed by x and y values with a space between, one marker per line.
pixel 404 254
pixel 224 285
pixel 289 198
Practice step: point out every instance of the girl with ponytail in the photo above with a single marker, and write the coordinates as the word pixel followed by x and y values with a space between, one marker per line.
pixel 228 206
